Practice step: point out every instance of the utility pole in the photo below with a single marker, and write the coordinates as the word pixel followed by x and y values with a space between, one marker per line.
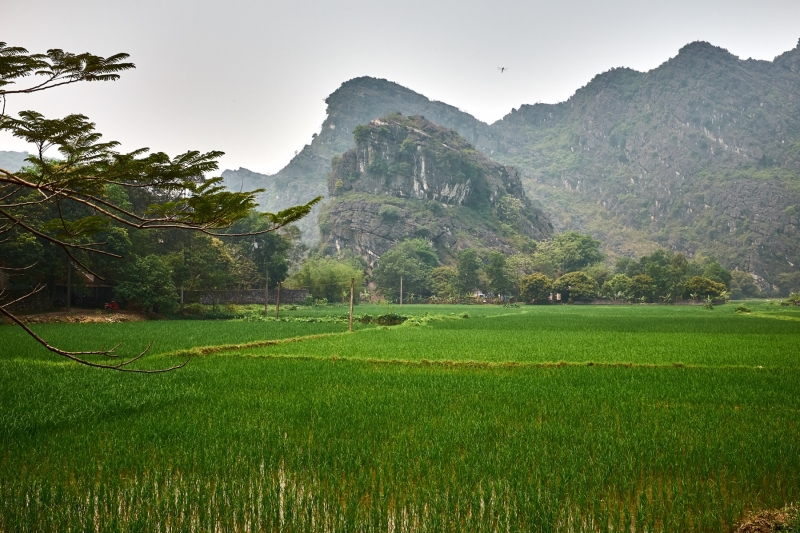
pixel 352 288
pixel 278 301
pixel 401 290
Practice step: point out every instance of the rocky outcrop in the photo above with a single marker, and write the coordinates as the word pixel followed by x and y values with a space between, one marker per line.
pixel 408 177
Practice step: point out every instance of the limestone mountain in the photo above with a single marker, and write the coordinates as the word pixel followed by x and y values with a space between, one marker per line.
pixel 408 177
pixel 699 155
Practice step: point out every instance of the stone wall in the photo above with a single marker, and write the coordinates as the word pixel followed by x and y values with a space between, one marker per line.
pixel 244 297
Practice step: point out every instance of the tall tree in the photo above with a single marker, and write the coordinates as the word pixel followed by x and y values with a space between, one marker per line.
pixel 68 202
pixel 468 268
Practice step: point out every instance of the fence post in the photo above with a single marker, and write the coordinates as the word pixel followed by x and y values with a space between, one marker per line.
pixel 352 288
pixel 278 301
pixel 266 295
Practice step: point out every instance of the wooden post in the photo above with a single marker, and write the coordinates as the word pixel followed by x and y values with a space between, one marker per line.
pixel 352 288
pixel 401 290
pixel 69 285
pixel 266 295
pixel 278 301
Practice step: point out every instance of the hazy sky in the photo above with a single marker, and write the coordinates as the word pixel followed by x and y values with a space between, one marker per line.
pixel 249 77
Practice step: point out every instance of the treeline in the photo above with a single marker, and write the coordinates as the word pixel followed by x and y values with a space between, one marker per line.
pixel 570 267
pixel 149 268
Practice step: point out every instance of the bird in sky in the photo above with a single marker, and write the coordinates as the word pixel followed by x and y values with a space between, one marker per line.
pixel 502 69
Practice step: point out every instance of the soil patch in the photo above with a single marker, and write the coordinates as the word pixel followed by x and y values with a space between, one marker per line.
pixel 83 316
pixel 771 521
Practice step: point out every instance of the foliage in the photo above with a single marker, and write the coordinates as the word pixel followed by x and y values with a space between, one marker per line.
pixel 567 252
pixel 468 268
pixel 743 286
pixel 444 280
pixel 618 287
pixel 149 285
pixel 413 260
pixel 642 287
pixel 328 277
pixel 497 271
pixel 789 282
pixel 536 288
pixel 576 286
pixel 703 287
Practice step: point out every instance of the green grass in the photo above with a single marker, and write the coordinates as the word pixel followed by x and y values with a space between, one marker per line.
pixel 253 440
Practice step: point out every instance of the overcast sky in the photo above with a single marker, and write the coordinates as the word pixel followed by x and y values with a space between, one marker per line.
pixel 249 77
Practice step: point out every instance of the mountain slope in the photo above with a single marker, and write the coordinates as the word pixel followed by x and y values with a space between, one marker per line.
pixel 702 154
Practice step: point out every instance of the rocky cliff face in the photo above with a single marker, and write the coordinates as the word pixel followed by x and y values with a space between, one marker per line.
pixel 700 155
pixel 408 177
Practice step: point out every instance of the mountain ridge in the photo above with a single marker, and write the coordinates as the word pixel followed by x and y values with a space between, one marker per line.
pixel 700 154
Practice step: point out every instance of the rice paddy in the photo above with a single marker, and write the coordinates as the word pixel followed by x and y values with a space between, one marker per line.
pixel 569 418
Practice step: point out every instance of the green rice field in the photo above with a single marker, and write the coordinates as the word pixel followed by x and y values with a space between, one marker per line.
pixel 538 418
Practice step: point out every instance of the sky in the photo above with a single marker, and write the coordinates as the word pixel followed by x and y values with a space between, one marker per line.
pixel 250 77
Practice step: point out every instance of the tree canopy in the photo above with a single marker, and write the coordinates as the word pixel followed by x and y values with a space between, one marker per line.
pixel 78 203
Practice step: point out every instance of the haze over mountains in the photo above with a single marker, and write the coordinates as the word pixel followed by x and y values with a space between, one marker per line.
pixel 699 155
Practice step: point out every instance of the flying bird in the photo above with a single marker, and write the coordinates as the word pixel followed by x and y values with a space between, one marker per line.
pixel 502 69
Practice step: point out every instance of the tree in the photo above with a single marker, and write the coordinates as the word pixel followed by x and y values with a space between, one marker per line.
pixel 537 288
pixel 327 277
pixel 567 252
pixel 413 260
pixel 468 267
pixel 443 281
pixel 576 286
pixel 68 203
pixel 498 274
pixel 149 285
pixel 616 287
pixel 743 286
pixel 704 287
pixel 641 287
